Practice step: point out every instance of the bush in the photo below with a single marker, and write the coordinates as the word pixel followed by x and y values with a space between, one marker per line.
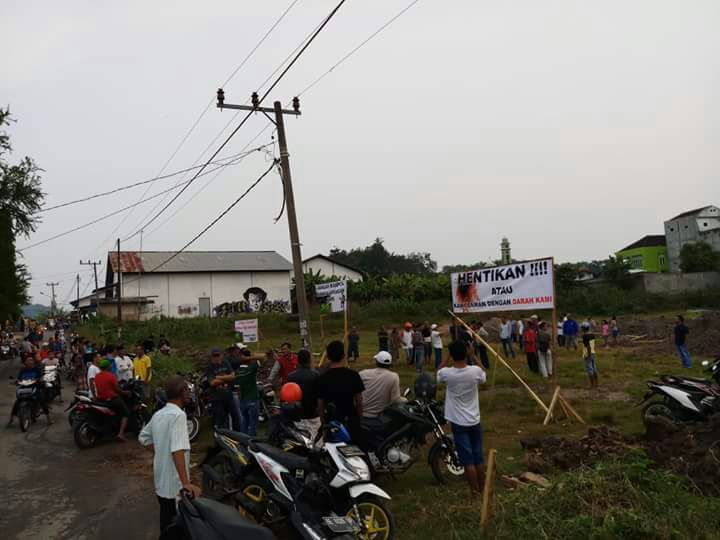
pixel 612 500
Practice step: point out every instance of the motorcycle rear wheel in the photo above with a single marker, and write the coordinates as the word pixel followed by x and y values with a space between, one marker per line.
pixel 85 436
pixel 379 523
pixel 222 465
pixel 444 462
pixel 25 418
pixel 656 409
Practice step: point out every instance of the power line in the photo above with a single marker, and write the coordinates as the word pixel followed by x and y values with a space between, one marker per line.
pixel 155 179
pixel 204 111
pixel 111 214
pixel 360 45
pixel 214 221
pixel 242 122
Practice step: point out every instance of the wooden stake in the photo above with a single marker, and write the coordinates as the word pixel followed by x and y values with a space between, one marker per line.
pixel 502 361
pixel 572 411
pixel 488 490
pixel 554 346
pixel 563 408
pixel 556 393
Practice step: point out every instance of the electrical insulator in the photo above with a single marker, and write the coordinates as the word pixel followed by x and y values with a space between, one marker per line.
pixel 296 104
pixel 221 97
pixel 255 100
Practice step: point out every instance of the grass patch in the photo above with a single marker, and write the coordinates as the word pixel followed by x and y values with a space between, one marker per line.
pixel 616 499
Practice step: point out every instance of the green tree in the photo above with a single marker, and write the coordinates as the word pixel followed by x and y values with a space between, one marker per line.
pixel 699 257
pixel 617 272
pixel 376 260
pixel 20 200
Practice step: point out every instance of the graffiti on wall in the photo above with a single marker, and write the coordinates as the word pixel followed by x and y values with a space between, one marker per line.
pixel 254 301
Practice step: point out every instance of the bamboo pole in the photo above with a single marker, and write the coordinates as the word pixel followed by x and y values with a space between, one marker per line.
pixel 556 394
pixel 503 362
pixel 572 411
pixel 488 490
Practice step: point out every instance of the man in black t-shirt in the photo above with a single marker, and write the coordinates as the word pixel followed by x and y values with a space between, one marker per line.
pixel 681 331
pixel 219 380
pixel 339 390
pixel 305 377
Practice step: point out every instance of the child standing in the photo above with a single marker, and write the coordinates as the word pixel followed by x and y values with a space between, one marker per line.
pixel 606 333
pixel 588 352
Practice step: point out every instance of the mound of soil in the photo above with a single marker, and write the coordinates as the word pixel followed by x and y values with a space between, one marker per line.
pixel 693 451
pixel 704 338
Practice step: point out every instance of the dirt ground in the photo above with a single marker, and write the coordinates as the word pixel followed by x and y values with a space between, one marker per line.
pixel 693 452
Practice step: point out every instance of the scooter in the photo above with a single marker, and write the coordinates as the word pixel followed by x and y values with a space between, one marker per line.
pixel 682 399
pixel 80 397
pixel 327 494
pixel 27 402
pixel 96 420
pixel 205 519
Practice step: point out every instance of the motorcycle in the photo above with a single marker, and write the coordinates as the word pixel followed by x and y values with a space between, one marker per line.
pixel 5 351
pixel 53 384
pixel 326 494
pixel 193 408
pixel 95 421
pixel 683 399
pixel 267 401
pixel 27 402
pixel 205 519
pixel 81 396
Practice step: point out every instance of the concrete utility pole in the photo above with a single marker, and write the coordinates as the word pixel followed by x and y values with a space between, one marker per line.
pixel 119 290
pixel 94 265
pixel 77 298
pixel 53 305
pixel 295 245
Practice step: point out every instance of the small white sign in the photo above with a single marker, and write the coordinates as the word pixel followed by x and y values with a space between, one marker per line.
pixel 334 294
pixel 249 330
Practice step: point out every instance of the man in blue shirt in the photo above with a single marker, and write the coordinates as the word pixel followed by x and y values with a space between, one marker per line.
pixel 570 331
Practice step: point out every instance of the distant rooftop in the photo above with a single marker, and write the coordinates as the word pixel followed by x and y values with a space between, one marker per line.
pixel 690 212
pixel 650 240
pixel 198 261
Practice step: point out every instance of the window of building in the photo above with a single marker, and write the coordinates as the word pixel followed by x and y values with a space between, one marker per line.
pixel 636 261
pixel 661 260
pixel 672 229
pixel 704 223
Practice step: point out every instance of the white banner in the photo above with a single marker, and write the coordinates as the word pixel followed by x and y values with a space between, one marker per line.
pixel 518 286
pixel 334 294
pixel 249 330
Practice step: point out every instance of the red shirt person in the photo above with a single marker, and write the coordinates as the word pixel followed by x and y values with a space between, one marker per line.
pixel 530 344
pixel 107 389
pixel 285 364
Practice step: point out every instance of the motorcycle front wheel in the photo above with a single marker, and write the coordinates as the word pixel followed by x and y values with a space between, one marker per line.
pixel 656 409
pixel 193 427
pixel 444 462
pixel 375 519
pixel 216 484
pixel 85 436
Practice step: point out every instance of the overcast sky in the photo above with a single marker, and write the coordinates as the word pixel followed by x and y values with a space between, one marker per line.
pixel 573 128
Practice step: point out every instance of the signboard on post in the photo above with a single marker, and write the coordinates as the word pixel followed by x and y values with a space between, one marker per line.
pixel 248 328
pixel 333 294
pixel 526 285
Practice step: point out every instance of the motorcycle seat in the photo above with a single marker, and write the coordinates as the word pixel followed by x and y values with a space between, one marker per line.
pixel 238 436
pixel 289 460
pixel 227 523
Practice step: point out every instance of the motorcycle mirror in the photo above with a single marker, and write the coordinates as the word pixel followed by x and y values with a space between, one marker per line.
pixel 406 393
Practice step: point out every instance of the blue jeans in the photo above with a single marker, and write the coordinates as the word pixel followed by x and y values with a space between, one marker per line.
pixel 684 355
pixel 419 353
pixel 438 357
pixel 468 443
pixel 508 348
pixel 249 411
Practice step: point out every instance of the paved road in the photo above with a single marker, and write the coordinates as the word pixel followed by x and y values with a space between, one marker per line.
pixel 50 489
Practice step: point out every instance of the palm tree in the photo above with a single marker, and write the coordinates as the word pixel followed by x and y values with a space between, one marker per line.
pixel 20 200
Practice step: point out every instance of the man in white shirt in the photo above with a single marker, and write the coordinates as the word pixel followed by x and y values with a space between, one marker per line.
pixel 407 342
pixel 506 337
pixel 382 386
pixel 93 369
pixel 462 410
pixel 167 435
pixel 437 344
pixel 124 365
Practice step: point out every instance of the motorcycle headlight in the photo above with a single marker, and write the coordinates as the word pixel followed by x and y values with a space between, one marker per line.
pixel 358 466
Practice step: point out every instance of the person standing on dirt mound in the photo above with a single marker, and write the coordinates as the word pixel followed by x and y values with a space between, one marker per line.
pixel 588 353
pixel 681 331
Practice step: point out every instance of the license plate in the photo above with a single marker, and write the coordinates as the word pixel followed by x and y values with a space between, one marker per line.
pixel 340 524
pixel 351 451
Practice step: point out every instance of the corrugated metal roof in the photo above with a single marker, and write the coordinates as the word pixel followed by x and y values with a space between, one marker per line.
pixel 651 240
pixel 690 213
pixel 199 261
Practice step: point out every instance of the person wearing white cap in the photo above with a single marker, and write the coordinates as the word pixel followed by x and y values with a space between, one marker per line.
pixel 437 344
pixel 382 387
